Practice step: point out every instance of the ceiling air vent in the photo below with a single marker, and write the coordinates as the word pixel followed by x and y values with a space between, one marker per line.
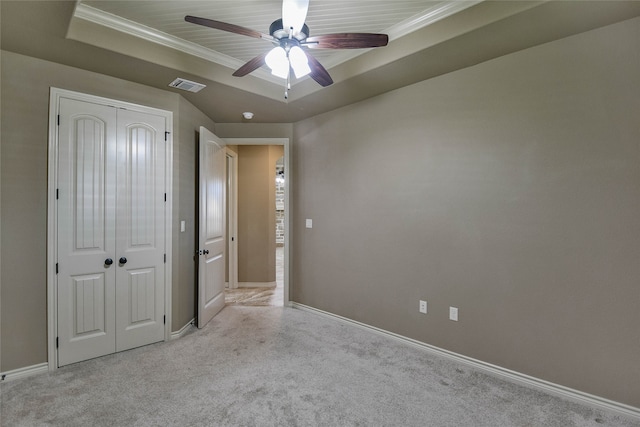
pixel 187 85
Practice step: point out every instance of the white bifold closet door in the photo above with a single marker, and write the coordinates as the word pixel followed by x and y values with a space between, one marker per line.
pixel 110 225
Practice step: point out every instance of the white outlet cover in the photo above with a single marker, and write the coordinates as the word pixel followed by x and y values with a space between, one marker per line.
pixel 423 307
pixel 182 226
pixel 309 223
pixel 453 313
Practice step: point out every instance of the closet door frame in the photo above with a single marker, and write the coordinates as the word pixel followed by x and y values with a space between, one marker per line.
pixel 56 95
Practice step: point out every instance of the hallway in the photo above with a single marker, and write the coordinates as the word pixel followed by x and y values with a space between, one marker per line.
pixel 263 296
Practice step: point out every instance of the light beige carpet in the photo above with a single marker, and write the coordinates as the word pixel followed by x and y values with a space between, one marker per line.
pixel 278 366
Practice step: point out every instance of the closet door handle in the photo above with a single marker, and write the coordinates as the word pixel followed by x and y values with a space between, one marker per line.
pixel 122 260
pixel 108 261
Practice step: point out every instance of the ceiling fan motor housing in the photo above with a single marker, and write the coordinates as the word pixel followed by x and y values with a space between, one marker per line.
pixel 276 29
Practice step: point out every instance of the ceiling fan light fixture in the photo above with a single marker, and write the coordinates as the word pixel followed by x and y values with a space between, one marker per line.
pixel 277 60
pixel 288 34
pixel 299 62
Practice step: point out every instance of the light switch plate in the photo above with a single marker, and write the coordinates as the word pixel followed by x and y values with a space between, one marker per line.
pixel 182 226
pixel 309 223
pixel 453 313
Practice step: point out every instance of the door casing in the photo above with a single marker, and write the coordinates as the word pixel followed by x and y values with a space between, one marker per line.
pixel 52 220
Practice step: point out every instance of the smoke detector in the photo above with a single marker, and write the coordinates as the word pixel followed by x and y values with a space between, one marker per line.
pixel 187 85
pixel 247 115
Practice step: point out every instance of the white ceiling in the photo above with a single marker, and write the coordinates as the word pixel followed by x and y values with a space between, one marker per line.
pixel 162 22
pixel 148 42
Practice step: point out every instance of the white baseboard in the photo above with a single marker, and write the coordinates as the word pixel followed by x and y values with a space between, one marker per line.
pixel 257 284
pixel 513 376
pixel 183 330
pixel 27 371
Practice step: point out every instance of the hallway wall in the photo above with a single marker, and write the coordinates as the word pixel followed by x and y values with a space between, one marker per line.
pixel 256 212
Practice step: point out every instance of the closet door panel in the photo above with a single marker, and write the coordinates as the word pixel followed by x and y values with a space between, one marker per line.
pixel 140 231
pixel 86 231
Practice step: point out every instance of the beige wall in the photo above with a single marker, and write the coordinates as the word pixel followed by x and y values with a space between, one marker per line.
pixel 509 190
pixel 254 130
pixel 256 212
pixel 25 102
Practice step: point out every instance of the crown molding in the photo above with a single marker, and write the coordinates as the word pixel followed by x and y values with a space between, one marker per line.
pixel 135 29
pixel 427 17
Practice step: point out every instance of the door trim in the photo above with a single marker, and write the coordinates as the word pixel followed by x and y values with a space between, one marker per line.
pixel 55 95
pixel 287 199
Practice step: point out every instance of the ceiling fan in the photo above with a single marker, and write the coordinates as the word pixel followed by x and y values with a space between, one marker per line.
pixel 290 36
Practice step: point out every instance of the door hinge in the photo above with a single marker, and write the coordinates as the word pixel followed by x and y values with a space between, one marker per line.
pixel 56 268
pixel 58 119
pixel 57 342
pixel 165 258
pixel 165 197
pixel 164 320
pixel 166 135
pixel 57 193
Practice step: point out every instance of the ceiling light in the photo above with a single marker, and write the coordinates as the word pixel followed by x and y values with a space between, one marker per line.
pixel 247 115
pixel 277 60
pixel 280 61
pixel 299 62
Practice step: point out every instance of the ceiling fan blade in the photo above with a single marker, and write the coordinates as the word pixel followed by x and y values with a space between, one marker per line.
pixel 231 28
pixel 346 41
pixel 294 13
pixel 318 72
pixel 251 66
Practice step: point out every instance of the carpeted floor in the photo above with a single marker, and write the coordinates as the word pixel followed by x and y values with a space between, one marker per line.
pixel 278 366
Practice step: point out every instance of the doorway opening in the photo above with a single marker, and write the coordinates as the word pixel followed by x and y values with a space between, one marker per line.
pixel 262 222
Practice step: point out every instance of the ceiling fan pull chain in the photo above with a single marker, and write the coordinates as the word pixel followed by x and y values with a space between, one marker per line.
pixel 287 86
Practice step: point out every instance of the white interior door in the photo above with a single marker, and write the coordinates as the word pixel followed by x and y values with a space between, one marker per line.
pixel 211 239
pixel 111 238
pixel 140 243
pixel 86 231
pixel 232 219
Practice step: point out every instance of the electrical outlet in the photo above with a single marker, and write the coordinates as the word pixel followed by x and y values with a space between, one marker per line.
pixel 453 313
pixel 308 223
pixel 423 307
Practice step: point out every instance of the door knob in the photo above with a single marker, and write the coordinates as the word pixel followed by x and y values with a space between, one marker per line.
pixel 206 251
pixel 122 260
pixel 108 261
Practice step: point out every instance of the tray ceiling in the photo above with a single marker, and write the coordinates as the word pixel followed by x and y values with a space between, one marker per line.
pixel 166 18
pixel 149 42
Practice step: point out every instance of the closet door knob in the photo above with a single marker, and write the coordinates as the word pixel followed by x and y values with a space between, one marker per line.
pixel 122 260
pixel 108 261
